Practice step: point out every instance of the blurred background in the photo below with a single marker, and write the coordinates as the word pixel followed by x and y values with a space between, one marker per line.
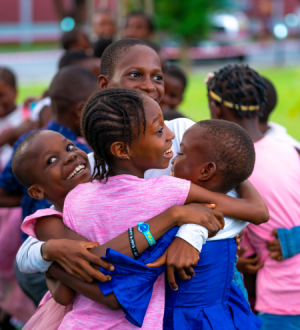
pixel 199 35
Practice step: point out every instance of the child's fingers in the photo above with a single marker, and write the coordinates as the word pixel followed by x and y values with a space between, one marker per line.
pixel 190 271
pixel 171 277
pixel 242 251
pixel 88 256
pixel 253 269
pixel 89 245
pixel 274 233
pixel 274 247
pixel 159 262
pixel 183 275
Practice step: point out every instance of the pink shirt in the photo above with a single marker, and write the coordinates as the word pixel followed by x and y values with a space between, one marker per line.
pixel 102 211
pixel 276 176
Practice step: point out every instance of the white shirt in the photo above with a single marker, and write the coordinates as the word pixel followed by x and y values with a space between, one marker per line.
pixel 193 234
pixel 279 133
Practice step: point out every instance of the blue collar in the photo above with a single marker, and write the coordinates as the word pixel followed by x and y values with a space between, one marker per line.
pixel 69 134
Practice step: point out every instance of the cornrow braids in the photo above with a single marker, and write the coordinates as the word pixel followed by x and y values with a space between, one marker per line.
pixel 239 87
pixel 110 115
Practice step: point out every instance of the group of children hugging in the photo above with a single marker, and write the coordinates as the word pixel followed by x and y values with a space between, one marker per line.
pixel 135 222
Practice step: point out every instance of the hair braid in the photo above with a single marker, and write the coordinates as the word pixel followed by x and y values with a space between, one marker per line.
pixel 111 115
pixel 241 86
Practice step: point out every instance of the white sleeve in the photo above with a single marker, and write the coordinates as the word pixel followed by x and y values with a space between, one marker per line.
pixel 29 257
pixel 193 234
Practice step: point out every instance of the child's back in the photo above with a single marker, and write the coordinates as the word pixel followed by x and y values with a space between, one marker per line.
pixel 277 169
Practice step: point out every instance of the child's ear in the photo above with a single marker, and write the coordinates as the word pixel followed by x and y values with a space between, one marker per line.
pixel 36 192
pixel 103 82
pixel 207 171
pixel 118 150
pixel 215 110
pixel 78 109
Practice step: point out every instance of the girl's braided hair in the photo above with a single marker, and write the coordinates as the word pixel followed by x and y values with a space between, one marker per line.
pixel 111 115
pixel 239 87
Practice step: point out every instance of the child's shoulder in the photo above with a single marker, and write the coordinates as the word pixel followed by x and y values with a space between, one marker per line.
pixel 28 225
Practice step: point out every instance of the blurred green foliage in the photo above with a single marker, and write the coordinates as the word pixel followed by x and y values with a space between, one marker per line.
pixel 187 19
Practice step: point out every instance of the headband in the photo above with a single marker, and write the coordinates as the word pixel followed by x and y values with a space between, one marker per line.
pixel 233 105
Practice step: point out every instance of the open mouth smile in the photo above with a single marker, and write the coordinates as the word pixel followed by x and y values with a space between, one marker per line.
pixel 169 153
pixel 78 169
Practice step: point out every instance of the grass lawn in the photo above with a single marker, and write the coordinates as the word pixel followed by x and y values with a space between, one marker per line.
pixel 287 82
pixel 287 112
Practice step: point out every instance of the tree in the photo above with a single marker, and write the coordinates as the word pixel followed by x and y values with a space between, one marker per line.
pixel 187 19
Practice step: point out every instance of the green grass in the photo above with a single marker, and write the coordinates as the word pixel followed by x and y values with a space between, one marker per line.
pixel 287 112
pixel 286 80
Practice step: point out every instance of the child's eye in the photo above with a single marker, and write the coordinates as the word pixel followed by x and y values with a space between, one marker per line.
pixel 160 131
pixel 70 147
pixel 51 160
pixel 158 77
pixel 180 154
pixel 134 74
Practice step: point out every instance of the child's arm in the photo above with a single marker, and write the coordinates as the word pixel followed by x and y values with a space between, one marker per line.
pixel 249 207
pixel 89 290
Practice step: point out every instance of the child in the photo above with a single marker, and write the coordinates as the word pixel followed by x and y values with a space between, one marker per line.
pixel 237 94
pixel 104 25
pixel 175 84
pixel 274 130
pixel 132 64
pixel 67 102
pixel 75 40
pixel 130 156
pixel 13 123
pixel 138 26
pixel 80 58
pixel 62 157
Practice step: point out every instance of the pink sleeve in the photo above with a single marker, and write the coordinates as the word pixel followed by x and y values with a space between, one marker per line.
pixel 246 242
pixel 28 225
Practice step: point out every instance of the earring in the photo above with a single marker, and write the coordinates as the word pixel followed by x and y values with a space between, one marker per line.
pixel 128 157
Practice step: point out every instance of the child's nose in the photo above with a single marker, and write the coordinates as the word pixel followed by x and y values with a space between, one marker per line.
pixel 70 158
pixel 148 86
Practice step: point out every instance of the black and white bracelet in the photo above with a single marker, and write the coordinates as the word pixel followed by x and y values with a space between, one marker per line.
pixel 132 243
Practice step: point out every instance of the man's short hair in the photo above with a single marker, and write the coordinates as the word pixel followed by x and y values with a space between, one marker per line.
pixel 73 57
pixel 70 85
pixel 8 77
pixel 23 161
pixel 113 54
pixel 232 151
pixel 147 18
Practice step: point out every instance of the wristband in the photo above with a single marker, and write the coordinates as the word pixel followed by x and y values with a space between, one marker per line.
pixel 132 243
pixel 144 229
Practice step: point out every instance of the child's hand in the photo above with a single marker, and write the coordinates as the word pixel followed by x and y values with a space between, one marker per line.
pixel 238 239
pixel 75 258
pixel 180 256
pixel 248 265
pixel 275 248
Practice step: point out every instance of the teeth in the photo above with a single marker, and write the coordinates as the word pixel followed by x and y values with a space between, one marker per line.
pixel 76 171
pixel 169 150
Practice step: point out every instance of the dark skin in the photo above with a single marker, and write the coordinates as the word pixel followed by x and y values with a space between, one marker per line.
pixel 139 69
pixel 137 27
pixel 8 96
pixel 251 126
pixel 174 90
pixel 55 159
pixel 104 25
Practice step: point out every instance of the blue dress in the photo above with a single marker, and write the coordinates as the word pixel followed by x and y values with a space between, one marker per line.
pixel 207 301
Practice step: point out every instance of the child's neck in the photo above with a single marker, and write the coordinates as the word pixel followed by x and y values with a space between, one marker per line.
pixel 129 169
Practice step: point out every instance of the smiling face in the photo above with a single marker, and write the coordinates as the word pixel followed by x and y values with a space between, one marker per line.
pixel 139 69
pixel 59 167
pixel 8 96
pixel 194 161
pixel 173 93
pixel 154 149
